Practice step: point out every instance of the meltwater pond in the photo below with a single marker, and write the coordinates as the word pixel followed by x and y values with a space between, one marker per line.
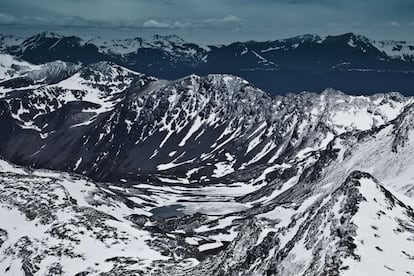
pixel 169 211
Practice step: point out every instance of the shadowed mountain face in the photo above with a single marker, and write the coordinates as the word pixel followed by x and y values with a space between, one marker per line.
pixel 303 63
pixel 128 174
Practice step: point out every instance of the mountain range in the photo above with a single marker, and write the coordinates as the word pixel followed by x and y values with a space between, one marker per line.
pixel 108 171
pixel 302 63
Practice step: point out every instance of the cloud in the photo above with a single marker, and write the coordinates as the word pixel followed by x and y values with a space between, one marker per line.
pixel 152 23
pixel 7 19
pixel 393 24
pixel 37 21
pixel 217 20
pixel 226 22
pixel 156 24
pixel 229 21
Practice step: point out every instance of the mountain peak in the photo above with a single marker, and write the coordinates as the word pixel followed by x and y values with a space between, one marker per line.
pixel 332 92
pixel 349 38
pixel 170 38
pixel 47 34
pixel 307 38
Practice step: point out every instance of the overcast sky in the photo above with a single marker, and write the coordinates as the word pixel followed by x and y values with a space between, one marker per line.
pixel 211 21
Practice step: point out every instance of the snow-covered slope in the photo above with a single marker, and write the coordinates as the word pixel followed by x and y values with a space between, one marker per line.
pixel 383 234
pixel 354 228
pixel 11 67
pixel 397 49
pixel 8 41
pixel 59 224
pixel 172 45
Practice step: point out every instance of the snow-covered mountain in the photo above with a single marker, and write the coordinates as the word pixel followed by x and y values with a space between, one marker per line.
pixel 121 173
pixel 157 125
pixel 274 66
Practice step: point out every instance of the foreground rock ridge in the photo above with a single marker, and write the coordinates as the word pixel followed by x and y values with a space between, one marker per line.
pixel 107 171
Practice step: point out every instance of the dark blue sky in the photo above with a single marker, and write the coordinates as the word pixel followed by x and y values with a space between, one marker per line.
pixel 211 21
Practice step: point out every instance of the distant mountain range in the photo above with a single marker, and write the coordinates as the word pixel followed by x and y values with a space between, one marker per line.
pixel 348 62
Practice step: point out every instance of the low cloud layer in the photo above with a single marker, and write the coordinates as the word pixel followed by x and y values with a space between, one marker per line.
pixel 226 22
pixel 217 20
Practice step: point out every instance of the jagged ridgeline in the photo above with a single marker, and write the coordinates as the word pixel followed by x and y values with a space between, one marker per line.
pixel 107 171
pixel 302 63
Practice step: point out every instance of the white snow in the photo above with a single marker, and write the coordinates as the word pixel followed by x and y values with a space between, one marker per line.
pixel 196 125
pixel 222 223
pixel 78 163
pixel 223 168
pixel 209 246
pixel 120 238
pixel 384 250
